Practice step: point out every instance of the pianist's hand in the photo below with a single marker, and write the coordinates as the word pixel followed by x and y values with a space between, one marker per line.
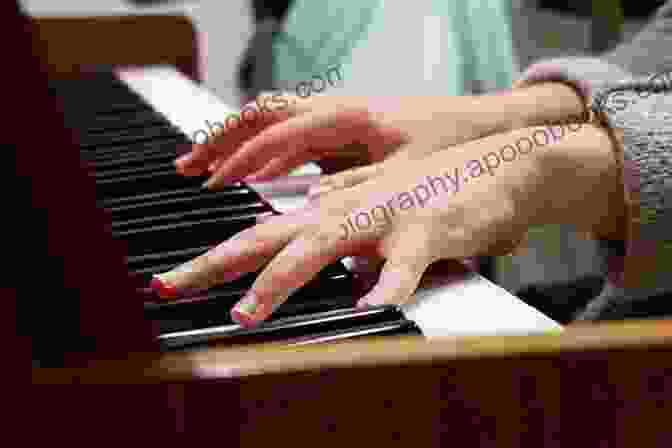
pixel 448 205
pixel 356 130
pixel 361 130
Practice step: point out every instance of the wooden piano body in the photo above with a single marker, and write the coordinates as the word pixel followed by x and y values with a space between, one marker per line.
pixel 607 385
pixel 602 385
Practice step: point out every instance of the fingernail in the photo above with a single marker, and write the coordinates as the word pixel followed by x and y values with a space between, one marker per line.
pixel 242 319
pixel 220 180
pixel 182 160
pixel 243 312
pixel 164 289
pixel 361 303
pixel 248 304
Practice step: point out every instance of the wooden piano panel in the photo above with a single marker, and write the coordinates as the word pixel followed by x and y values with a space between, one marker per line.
pixel 604 385
pixel 69 46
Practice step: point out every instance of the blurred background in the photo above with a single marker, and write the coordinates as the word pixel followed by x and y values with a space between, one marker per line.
pixel 393 47
pixel 540 28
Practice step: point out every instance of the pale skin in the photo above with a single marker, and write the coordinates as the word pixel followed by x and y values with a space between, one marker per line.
pixel 370 129
pixel 573 181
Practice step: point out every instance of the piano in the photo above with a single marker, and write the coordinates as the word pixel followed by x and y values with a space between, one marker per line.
pixel 178 374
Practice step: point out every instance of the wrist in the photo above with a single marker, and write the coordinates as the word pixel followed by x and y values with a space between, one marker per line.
pixel 580 184
pixel 534 105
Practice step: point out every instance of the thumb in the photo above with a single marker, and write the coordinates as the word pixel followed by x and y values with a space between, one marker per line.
pixel 398 280
pixel 345 179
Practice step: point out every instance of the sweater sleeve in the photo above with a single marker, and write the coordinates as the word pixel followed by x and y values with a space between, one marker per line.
pixel 650 50
pixel 637 109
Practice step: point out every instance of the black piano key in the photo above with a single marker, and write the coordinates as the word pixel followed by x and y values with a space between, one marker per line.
pixel 192 215
pixel 139 264
pixel 146 210
pixel 103 141
pixel 402 327
pixel 87 122
pixel 133 160
pixel 229 193
pixel 284 329
pixel 144 266
pixel 74 110
pixel 145 183
pixel 129 121
pixel 147 168
pixel 212 307
pixel 168 145
pixel 184 234
pixel 125 134
pixel 318 297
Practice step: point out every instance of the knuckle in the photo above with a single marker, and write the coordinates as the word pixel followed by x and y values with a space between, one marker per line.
pixel 206 263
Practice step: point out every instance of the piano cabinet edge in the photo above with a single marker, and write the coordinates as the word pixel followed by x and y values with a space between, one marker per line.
pixel 114 41
pixel 636 338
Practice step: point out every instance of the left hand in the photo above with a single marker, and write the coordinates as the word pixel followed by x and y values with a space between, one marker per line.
pixel 341 131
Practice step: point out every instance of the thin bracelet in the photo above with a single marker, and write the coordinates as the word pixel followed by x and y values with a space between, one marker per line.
pixel 631 197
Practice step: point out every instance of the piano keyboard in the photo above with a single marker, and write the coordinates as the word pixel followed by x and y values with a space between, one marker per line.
pixel 165 219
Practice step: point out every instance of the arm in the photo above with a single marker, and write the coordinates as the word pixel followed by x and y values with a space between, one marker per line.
pixel 627 104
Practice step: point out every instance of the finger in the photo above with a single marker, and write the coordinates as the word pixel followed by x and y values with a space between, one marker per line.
pixel 519 83
pixel 292 268
pixel 344 179
pixel 398 280
pixel 278 167
pixel 216 148
pixel 246 252
pixel 227 135
pixel 326 129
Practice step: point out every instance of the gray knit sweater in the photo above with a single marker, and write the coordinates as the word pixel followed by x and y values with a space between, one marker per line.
pixel 631 89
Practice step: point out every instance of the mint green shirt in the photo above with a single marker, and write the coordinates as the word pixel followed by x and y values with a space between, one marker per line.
pixel 419 47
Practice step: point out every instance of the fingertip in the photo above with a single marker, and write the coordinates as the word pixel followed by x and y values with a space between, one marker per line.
pixel 248 311
pixel 182 162
pixel 215 181
pixel 362 303
pixel 162 288
pixel 242 318
pixel 185 166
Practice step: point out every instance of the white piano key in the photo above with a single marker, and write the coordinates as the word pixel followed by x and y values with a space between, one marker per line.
pixel 472 306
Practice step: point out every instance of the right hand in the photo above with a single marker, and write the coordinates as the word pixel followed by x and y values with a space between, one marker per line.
pixel 336 127
pixel 421 213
